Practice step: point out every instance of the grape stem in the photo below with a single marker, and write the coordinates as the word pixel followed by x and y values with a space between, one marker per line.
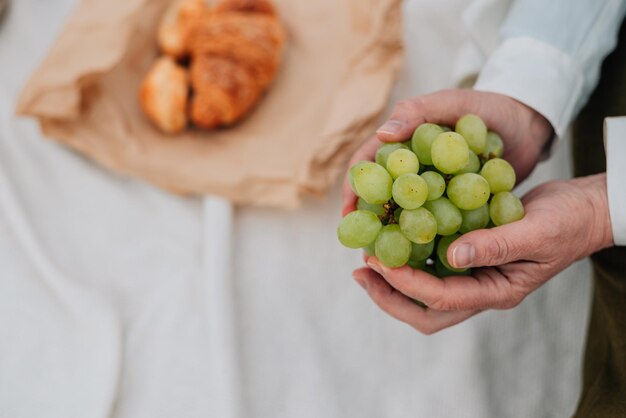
pixel 389 217
pixel 483 160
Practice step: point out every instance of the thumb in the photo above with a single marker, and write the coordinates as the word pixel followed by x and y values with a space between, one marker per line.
pixel 443 107
pixel 493 247
pixel 406 116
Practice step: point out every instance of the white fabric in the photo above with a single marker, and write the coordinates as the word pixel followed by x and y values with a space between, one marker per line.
pixel 104 307
pixel 615 147
pixel 117 300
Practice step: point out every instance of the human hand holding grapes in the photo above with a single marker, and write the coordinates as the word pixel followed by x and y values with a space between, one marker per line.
pixel 564 222
pixel 524 131
pixel 389 220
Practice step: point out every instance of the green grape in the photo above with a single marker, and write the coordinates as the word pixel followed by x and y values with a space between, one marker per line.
pixel 377 209
pixel 442 253
pixel 441 271
pixel 372 182
pixel 422 140
pixel 474 131
pixel 417 264
pixel 418 225
pixel 495 146
pixel 468 191
pixel 392 248
pixel 397 213
pixel 447 215
pixel 430 268
pixel 449 152
pixel 421 252
pixel 473 165
pixel 436 184
pixel 409 191
pixel 385 149
pixel 402 161
pixel 474 219
pixel 358 229
pixel 351 181
pixel 499 174
pixel 505 208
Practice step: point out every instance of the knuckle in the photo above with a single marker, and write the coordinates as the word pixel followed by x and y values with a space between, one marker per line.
pixel 407 107
pixel 510 303
pixel 553 233
pixel 454 304
pixel 512 299
pixel 496 251
pixel 425 329
pixel 439 304
pixel 383 298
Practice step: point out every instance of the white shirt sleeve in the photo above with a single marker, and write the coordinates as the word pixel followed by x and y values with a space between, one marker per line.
pixel 551 53
pixel 615 147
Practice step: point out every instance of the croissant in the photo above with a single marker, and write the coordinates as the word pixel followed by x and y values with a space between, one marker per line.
pixel 234 51
pixel 177 22
pixel 164 95
pixel 250 6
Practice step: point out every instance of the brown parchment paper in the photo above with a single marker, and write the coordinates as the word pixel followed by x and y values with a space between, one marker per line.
pixel 337 72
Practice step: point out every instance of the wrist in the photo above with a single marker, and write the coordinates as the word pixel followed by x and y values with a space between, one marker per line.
pixel 540 130
pixel 596 199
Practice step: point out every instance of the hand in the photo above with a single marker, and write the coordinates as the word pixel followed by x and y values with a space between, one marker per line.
pixel 564 222
pixel 524 131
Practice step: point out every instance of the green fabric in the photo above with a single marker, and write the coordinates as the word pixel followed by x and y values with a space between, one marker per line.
pixel 604 373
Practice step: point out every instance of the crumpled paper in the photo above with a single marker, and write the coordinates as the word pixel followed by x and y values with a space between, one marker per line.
pixel 338 69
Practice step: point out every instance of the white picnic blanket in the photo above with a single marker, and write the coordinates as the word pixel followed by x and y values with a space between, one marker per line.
pixel 119 300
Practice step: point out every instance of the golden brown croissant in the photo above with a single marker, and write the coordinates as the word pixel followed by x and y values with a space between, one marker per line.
pixel 176 24
pixel 253 41
pixel 234 51
pixel 250 6
pixel 223 91
pixel 164 95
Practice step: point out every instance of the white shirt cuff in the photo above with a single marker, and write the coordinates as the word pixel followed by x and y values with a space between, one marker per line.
pixel 536 74
pixel 615 147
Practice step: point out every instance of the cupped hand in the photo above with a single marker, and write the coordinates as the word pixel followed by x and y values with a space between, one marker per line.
pixel 524 131
pixel 564 222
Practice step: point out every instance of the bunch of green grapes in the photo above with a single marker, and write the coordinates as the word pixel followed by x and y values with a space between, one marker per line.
pixel 421 195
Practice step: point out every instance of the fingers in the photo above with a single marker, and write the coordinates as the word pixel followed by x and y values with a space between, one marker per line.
pixel 367 151
pixel 349 198
pixel 406 116
pixel 399 306
pixel 523 129
pixel 443 107
pixel 488 288
pixel 496 246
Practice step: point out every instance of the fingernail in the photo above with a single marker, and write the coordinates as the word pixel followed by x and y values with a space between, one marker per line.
pixel 391 127
pixel 375 266
pixel 360 281
pixel 463 255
